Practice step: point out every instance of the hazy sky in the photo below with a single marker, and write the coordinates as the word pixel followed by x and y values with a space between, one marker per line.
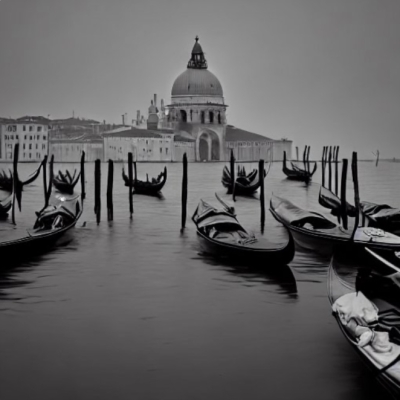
pixel 315 71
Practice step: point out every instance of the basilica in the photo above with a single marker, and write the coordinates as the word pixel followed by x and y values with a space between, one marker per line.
pixel 194 122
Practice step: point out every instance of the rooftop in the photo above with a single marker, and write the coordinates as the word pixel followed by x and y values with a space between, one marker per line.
pixel 134 132
pixel 234 134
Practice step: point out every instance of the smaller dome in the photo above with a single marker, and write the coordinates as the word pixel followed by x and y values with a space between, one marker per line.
pixel 152 118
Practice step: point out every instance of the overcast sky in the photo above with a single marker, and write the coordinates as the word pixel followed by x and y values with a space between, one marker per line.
pixel 316 71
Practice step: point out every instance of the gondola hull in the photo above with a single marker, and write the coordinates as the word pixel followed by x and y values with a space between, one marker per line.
pixel 35 242
pixel 323 242
pixel 337 288
pixel 146 188
pixel 256 257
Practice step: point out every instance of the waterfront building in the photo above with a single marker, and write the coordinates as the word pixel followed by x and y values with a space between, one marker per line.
pixel 30 132
pixel 144 144
pixel 70 150
pixel 198 111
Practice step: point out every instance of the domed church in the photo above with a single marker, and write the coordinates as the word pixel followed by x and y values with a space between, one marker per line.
pixel 197 108
pixel 197 116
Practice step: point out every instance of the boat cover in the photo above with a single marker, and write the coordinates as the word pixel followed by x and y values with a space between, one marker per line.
pixel 381 213
pixel 296 216
pixel 206 215
pixel 359 315
pixel 328 199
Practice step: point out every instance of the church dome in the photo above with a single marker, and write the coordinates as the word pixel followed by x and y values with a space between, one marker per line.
pixel 194 82
pixel 197 80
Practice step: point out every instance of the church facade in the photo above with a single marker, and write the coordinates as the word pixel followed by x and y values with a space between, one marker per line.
pixel 194 122
pixel 198 111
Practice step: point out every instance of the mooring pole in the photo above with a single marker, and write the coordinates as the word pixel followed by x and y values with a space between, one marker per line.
pixel 184 191
pixel 135 170
pixel 44 165
pixel 97 189
pixel 83 194
pixel 130 162
pixel 15 180
pixel 354 170
pixel 323 165
pixel 233 180
pixel 343 193
pixel 337 171
pixel 51 176
pixel 262 197
pixel 297 153
pixel 330 168
pixel 308 159
pixel 304 158
pixel 110 180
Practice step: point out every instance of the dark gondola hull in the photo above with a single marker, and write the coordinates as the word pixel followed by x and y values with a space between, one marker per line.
pixel 265 258
pixel 323 242
pixel 63 187
pixel 146 188
pixel 297 174
pixel 240 188
pixel 35 243
pixel 336 288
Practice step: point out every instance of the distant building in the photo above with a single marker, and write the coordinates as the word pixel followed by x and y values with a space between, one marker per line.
pixel 70 150
pixel 30 132
pixel 145 145
pixel 198 111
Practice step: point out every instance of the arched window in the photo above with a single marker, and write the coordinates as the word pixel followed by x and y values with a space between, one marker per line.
pixel 183 116
pixel 202 117
pixel 191 115
pixel 211 115
pixel 219 117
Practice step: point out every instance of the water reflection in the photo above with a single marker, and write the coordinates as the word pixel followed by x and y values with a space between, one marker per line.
pixel 279 277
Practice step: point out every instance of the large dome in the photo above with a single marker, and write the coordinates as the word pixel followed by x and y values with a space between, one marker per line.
pixel 200 82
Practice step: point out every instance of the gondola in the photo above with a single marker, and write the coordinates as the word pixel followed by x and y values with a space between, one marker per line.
pixel 297 174
pixel 314 231
pixel 51 224
pixel 150 188
pixel 222 235
pixel 382 216
pixel 331 201
pixel 65 183
pixel 5 206
pixel 6 181
pixel 369 317
pixel 244 185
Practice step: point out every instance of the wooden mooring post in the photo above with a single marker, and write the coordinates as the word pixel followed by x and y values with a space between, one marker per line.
pixel 297 154
pixel 15 180
pixel 184 191
pixel 330 168
pixel 130 177
pixel 337 171
pixel 44 165
pixel 343 193
pixel 323 163
pixel 354 171
pixel 110 180
pixel 83 194
pixel 97 189
pixel 233 180
pixel 262 196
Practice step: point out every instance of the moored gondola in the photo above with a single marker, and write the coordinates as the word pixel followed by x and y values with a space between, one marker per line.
pixel 5 206
pixel 6 181
pixel 51 224
pixel 244 185
pixel 368 317
pixel 314 231
pixel 297 174
pixel 381 216
pixel 65 183
pixel 150 188
pixel 222 235
pixel 331 201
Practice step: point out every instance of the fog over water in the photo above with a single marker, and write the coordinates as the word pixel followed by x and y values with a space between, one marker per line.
pixel 133 310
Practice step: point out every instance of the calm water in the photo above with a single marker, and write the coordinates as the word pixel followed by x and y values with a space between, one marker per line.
pixel 131 310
